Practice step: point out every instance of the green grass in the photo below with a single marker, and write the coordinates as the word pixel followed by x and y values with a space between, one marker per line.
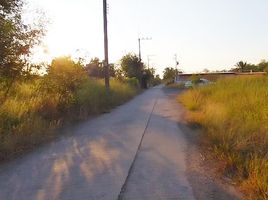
pixel 33 110
pixel 234 114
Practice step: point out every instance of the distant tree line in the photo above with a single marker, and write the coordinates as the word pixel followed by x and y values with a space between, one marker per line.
pixel 242 66
pixel 129 67
pixel 170 73
pixel 247 67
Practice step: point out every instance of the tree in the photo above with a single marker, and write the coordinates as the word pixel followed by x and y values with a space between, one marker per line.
pixel 64 77
pixel 119 74
pixel 157 80
pixel 152 79
pixel 169 74
pixel 263 66
pixel 9 6
pixel 131 66
pixel 112 70
pixel 241 66
pixel 245 67
pixel 95 68
pixel 150 74
pixel 16 39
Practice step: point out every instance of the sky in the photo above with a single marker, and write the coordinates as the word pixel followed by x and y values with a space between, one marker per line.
pixel 204 34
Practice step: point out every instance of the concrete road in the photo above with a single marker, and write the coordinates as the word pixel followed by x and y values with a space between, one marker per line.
pixel 159 169
pixel 135 152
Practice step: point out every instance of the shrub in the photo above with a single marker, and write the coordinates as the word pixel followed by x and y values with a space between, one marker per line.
pixel 92 97
pixel 34 109
pixel 134 82
pixel 64 77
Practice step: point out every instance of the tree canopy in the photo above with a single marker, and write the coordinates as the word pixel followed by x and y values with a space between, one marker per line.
pixel 131 66
pixel 17 39
pixel 169 73
pixel 246 67
pixel 95 68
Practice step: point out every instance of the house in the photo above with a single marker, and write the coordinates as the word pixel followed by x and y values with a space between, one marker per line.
pixel 213 76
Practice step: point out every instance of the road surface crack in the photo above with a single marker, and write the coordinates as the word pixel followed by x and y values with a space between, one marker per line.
pixel 123 188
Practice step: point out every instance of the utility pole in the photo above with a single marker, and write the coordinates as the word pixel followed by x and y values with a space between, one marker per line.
pixel 176 67
pixel 139 40
pixel 143 79
pixel 106 53
pixel 148 58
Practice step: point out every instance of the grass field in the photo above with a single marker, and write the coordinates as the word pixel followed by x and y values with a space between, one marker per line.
pixel 34 109
pixel 234 115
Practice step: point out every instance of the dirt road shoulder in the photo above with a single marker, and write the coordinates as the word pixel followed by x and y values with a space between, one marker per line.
pixel 202 166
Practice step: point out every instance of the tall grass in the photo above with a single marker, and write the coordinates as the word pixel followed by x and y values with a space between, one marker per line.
pixel 33 109
pixel 234 114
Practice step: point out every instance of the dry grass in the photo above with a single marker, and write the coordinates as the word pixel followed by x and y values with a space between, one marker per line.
pixel 32 111
pixel 234 114
pixel 175 86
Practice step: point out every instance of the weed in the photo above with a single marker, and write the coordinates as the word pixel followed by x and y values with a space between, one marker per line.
pixel 234 114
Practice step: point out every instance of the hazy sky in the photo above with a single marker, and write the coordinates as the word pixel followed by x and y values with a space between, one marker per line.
pixel 212 34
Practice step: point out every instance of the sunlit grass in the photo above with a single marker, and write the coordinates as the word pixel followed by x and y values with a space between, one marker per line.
pixel 234 114
pixel 31 112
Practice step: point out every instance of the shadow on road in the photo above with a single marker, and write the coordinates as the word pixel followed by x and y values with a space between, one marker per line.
pixel 92 163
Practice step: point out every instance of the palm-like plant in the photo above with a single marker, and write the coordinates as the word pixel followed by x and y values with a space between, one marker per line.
pixel 241 65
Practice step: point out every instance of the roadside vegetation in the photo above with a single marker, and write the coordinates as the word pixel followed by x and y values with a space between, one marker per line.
pixel 36 106
pixel 175 86
pixel 242 66
pixel 234 113
pixel 169 75
pixel 36 99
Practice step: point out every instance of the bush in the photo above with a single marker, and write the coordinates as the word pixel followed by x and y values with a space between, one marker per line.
pixel 195 79
pixel 34 109
pixel 234 114
pixel 64 77
pixel 134 82
pixel 169 81
pixel 92 97
pixel 156 81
